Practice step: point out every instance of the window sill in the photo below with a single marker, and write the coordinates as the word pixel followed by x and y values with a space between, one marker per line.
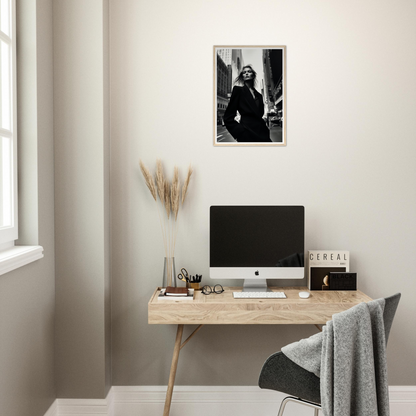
pixel 18 256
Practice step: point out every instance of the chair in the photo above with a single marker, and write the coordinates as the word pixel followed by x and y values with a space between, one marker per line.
pixel 281 374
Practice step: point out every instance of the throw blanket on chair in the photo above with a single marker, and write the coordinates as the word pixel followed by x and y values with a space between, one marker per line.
pixel 350 358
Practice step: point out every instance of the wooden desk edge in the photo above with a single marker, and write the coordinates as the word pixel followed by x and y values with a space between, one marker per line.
pixel 153 297
pixel 261 311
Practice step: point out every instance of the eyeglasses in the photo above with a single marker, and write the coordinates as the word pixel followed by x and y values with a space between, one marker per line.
pixel 207 290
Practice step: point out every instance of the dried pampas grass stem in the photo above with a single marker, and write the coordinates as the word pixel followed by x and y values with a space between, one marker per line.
pixel 186 183
pixel 148 179
pixel 175 194
pixel 167 197
pixel 160 180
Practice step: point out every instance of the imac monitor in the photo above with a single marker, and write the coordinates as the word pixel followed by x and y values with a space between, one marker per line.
pixel 256 243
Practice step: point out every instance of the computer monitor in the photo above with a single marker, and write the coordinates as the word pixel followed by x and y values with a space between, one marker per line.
pixel 256 243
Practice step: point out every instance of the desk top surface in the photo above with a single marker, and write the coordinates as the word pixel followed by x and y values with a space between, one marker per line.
pixel 218 309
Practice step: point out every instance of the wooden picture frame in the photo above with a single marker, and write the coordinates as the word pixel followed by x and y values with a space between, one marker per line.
pixel 250 96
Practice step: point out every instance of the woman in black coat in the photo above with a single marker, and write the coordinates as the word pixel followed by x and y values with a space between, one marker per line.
pixel 249 103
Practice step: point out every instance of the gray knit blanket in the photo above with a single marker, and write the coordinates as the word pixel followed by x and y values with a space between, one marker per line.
pixel 349 356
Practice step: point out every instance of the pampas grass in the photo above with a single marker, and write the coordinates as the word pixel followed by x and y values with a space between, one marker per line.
pixel 160 179
pixel 186 183
pixel 148 179
pixel 174 193
pixel 170 199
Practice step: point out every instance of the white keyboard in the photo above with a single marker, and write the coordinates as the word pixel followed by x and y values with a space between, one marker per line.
pixel 259 295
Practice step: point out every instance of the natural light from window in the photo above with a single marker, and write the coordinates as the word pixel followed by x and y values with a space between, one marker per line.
pixel 8 226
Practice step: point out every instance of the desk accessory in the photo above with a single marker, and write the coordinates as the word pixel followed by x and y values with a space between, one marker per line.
pixel 195 282
pixel 176 291
pixel 342 281
pixel 304 295
pixel 259 295
pixel 168 271
pixel 184 275
pixel 170 200
pixel 217 289
pixel 191 281
pixel 323 262
pixel 188 296
pixel 196 279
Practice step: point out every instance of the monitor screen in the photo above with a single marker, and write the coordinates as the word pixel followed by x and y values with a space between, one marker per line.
pixel 257 242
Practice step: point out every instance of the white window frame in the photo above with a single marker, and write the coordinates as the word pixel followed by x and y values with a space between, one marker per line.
pixel 11 256
pixel 9 232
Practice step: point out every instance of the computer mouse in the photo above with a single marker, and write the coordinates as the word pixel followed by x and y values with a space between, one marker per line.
pixel 304 295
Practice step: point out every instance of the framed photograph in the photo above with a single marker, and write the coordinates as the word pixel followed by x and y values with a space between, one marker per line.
pixel 250 96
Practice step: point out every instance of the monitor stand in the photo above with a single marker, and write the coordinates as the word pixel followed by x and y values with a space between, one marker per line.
pixel 255 285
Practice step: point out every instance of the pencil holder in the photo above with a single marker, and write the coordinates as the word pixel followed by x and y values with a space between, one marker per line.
pixel 195 286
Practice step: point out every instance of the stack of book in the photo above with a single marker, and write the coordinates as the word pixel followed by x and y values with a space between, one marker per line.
pixel 176 293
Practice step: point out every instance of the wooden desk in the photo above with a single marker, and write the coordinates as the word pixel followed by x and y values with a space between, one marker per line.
pixel 223 309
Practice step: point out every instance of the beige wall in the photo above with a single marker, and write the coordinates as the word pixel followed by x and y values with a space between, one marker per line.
pixel 27 295
pixel 82 198
pixel 349 159
pixel 58 344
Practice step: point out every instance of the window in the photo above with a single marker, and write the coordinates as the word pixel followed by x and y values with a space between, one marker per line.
pixel 11 256
pixel 8 148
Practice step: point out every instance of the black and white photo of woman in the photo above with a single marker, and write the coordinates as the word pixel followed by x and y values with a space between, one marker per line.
pixel 248 102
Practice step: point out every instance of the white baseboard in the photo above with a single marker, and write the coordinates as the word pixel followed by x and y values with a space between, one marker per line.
pixel 196 400
pixel 53 410
pixel 205 401
pixel 83 407
pixel 402 400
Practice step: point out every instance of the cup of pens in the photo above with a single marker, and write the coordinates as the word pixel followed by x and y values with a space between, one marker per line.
pixel 192 282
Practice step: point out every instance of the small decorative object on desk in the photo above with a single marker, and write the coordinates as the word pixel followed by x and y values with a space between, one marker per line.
pixel 169 294
pixel 176 291
pixel 170 198
pixel 342 281
pixel 169 270
pixel 323 262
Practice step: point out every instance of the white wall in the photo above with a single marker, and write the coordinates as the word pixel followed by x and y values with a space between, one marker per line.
pixel 349 159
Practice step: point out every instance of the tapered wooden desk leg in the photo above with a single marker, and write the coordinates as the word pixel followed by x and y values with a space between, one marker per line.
pixel 173 368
